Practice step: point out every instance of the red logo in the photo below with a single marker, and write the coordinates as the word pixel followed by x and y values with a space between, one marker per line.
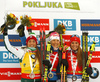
pixel 10 73
pixel 38 23
pixel 95 57
pixel 66 39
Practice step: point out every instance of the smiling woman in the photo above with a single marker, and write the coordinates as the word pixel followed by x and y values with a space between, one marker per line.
pixel 74 58
pixel 53 56
pixel 75 46
pixel 54 39
pixel 55 43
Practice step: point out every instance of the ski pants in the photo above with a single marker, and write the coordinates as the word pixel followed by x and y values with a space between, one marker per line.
pixel 30 80
pixel 70 80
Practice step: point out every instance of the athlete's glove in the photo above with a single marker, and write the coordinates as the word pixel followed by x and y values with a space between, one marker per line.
pixel 20 30
pixel 47 63
pixel 4 29
pixel 65 63
pixel 89 70
pixel 29 30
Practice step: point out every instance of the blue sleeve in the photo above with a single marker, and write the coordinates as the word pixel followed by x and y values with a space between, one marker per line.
pixel 23 40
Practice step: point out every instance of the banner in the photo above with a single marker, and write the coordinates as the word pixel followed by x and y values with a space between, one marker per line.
pixel 7 57
pixel 96 57
pixel 90 25
pixel 10 74
pixel 92 38
pixel 38 23
pixel 14 40
pixel 70 24
pixel 66 39
pixel 50 5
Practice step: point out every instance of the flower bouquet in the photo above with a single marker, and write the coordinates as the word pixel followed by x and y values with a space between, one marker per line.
pixel 10 21
pixel 26 21
pixel 60 29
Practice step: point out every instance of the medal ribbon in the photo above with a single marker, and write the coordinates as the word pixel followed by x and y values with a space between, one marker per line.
pixel 53 62
pixel 31 64
pixel 73 64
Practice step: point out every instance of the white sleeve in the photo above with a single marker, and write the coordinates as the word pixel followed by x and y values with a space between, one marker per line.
pixel 18 52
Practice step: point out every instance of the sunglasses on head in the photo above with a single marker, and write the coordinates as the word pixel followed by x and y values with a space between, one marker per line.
pixel 74 36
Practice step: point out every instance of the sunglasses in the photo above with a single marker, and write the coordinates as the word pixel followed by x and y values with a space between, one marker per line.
pixel 74 36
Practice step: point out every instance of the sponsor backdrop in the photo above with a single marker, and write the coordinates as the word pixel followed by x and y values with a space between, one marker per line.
pixel 76 15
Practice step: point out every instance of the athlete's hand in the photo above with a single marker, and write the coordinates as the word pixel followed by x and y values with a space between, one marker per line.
pixel 89 70
pixel 47 63
pixel 65 63
pixel 20 30
pixel 4 29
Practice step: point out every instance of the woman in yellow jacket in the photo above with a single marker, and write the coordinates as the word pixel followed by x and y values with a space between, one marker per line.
pixel 29 57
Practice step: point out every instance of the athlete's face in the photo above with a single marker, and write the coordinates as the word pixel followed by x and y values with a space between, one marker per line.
pixel 74 45
pixel 55 43
pixel 31 43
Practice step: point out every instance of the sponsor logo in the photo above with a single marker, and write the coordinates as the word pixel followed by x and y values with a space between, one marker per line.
pixel 71 5
pixel 90 25
pixel 95 73
pixel 7 57
pixel 10 73
pixel 95 57
pixel 92 38
pixel 67 5
pixel 13 39
pixel 66 39
pixel 70 24
pixel 38 23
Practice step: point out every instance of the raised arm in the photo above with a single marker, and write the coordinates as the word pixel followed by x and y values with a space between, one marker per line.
pixel 20 30
pixel 18 52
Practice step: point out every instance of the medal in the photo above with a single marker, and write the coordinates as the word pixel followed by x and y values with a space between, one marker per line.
pixel 32 75
pixel 74 78
pixel 50 75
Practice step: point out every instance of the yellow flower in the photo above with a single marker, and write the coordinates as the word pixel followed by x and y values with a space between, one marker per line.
pixel 11 15
pixel 32 24
pixel 30 18
pixel 17 22
pixel 21 17
pixel 64 30
pixel 14 17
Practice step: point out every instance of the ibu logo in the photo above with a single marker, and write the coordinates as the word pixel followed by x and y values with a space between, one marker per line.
pixel 70 24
